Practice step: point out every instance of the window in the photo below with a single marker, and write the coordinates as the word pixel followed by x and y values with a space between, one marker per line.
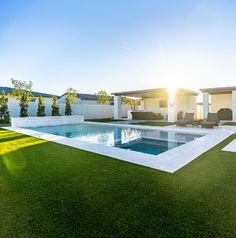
pixel 163 103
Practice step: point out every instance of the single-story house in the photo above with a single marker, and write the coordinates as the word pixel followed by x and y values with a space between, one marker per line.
pixel 160 100
pixel 84 98
pixel 223 102
pixel 13 103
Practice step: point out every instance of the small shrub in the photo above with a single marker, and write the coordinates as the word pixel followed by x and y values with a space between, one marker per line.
pixel 23 91
pixel 68 110
pixel 4 113
pixel 24 104
pixel 41 107
pixel 55 107
pixel 70 99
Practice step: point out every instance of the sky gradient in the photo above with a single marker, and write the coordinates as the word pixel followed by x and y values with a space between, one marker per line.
pixel 118 45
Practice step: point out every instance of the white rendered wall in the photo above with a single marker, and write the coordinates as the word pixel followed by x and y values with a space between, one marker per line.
pixel 186 104
pixel 45 121
pixel 179 103
pixel 221 101
pixel 234 105
pixel 98 111
pixel 14 108
pixel 90 111
pixel 153 105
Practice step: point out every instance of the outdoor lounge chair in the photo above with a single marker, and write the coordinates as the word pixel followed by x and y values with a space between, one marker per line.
pixel 186 120
pixel 211 121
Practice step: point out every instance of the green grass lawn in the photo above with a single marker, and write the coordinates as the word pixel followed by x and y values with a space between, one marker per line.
pixel 154 123
pixel 230 124
pixel 51 190
pixel 102 120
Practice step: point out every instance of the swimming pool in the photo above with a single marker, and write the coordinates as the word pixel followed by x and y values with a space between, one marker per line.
pixel 147 141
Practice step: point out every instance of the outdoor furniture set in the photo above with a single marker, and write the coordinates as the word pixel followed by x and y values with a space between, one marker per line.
pixel 211 121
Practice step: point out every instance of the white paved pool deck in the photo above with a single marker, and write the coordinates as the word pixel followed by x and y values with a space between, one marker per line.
pixel 169 161
pixel 231 147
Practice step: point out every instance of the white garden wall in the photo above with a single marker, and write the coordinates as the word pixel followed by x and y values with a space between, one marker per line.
pixel 45 121
pixel 13 106
pixel 96 111
pixel 89 111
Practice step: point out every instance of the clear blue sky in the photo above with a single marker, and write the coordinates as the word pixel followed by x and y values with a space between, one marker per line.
pixel 117 44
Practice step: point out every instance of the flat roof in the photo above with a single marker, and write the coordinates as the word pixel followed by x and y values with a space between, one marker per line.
pixel 219 90
pixel 153 92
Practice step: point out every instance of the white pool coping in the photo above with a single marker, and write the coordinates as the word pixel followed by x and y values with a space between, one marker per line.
pixel 169 161
pixel 231 147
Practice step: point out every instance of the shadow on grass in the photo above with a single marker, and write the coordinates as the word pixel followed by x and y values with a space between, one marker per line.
pixel 66 192
pixel 12 138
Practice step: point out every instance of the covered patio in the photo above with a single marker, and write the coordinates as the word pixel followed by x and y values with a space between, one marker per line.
pixel 223 102
pixel 162 101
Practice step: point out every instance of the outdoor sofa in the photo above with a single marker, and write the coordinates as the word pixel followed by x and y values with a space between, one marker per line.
pixel 211 121
pixel 145 115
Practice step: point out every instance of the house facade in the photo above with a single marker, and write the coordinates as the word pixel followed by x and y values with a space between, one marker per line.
pixel 160 100
pixel 223 102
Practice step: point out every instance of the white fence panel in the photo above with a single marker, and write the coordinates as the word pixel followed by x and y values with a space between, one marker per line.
pixel 89 111
pixel 94 111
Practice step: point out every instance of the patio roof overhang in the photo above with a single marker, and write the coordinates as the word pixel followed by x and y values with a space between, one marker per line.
pixel 220 90
pixel 154 92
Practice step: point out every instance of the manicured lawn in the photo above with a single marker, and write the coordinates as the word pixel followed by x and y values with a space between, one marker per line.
pixel 230 124
pixel 102 120
pixel 50 190
pixel 152 123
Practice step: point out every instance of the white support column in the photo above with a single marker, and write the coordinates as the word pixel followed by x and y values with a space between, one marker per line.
pixel 117 136
pixel 234 105
pixel 141 107
pixel 205 104
pixel 171 106
pixel 117 107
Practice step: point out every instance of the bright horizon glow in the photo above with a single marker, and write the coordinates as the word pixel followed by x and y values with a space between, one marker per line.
pixel 118 45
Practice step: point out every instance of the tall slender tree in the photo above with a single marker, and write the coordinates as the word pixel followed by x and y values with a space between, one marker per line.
pixel 70 99
pixel 68 110
pixel 24 104
pixel 4 113
pixel 41 107
pixel 55 107
pixel 23 91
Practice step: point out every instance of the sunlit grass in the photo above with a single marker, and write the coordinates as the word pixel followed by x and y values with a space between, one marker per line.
pixel 154 123
pixel 230 124
pixel 17 144
pixel 51 190
pixel 15 164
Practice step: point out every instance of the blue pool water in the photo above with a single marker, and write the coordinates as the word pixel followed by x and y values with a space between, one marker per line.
pixel 142 140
